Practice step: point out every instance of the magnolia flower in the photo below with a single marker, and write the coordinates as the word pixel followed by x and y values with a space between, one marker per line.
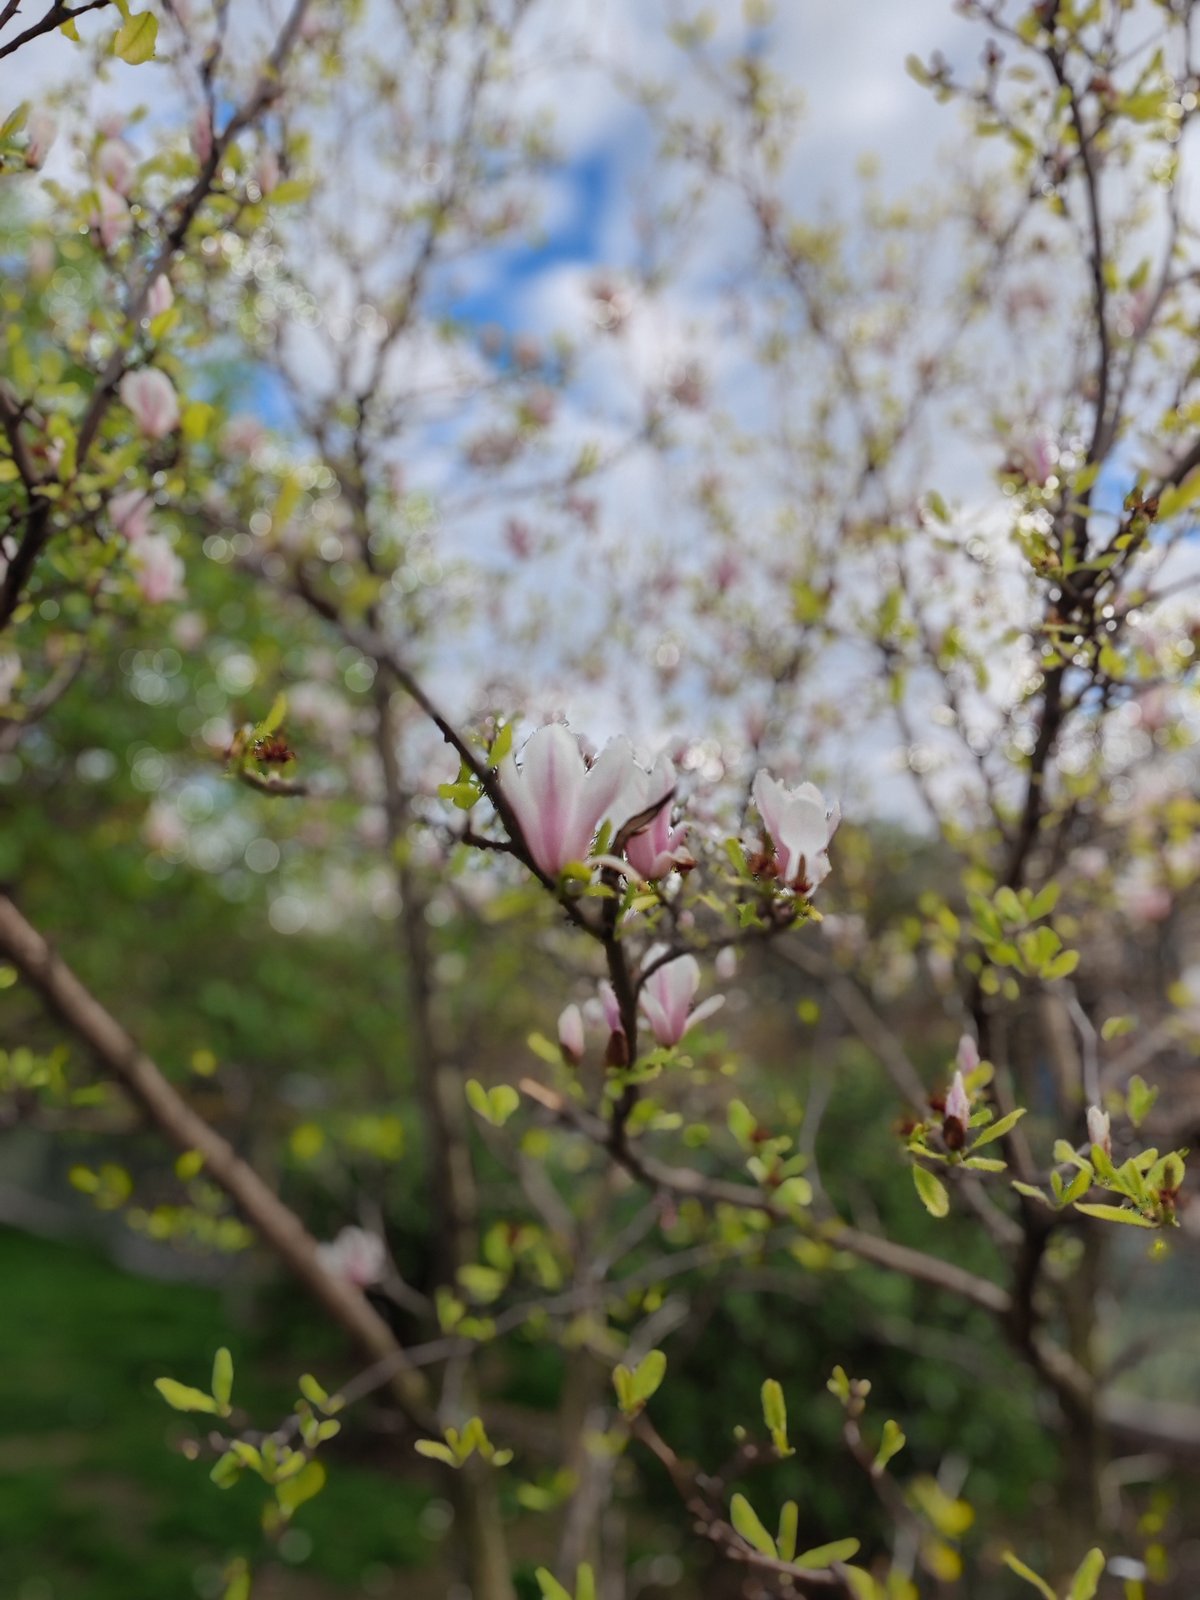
pixel 129 513
pixel 356 1256
pixel 266 171
pixel 116 165
pixel 610 1008
pixel 161 296
pixel 968 1054
pixel 667 995
pixel 725 966
pixel 1099 1129
pixel 242 435
pixel 801 827
pixel 111 218
pixel 151 396
pixel 657 847
pixel 570 1034
pixel 958 1105
pixel 556 799
pixel 42 130
pixel 160 572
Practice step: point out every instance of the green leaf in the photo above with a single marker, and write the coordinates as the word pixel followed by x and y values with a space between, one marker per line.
pixel 494 1105
pixel 890 1445
pixel 1022 1571
pixel 650 1372
pixel 436 1451
pixel 136 38
pixel 585 1583
pixel 550 1586
pixel 824 1555
pixel 312 1390
pixel 997 1130
pixel 1061 967
pixel 862 1583
pixel 1115 1214
pixel 789 1521
pixel 293 1492
pixel 1087 1580
pixel 182 1398
pixel 932 1191
pixel 745 1519
pixel 1139 1099
pixel 773 1404
pixel 222 1376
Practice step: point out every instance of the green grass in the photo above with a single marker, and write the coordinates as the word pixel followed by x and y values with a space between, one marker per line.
pixel 97 1502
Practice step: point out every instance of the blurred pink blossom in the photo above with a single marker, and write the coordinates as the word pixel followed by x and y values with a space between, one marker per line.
pixel 161 296
pixel 116 165
pixel 160 572
pixel 151 396
pixel 129 513
pixel 355 1256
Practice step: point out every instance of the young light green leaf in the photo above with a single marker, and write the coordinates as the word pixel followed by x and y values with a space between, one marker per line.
pixel 136 38
pixel 222 1376
pixel 550 1586
pixel 890 1445
pixel 824 1555
pixel 745 1519
pixel 773 1405
pixel 997 1130
pixel 649 1374
pixel 1139 1099
pixel 789 1522
pixel 312 1390
pixel 1115 1214
pixel 182 1398
pixel 436 1451
pixel 1022 1571
pixel 1087 1579
pixel 303 1485
pixel 932 1192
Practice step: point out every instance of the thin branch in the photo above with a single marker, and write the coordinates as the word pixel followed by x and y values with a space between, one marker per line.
pixel 165 1107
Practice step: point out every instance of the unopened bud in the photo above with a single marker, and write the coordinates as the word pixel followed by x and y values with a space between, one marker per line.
pixel 1099 1129
pixel 570 1035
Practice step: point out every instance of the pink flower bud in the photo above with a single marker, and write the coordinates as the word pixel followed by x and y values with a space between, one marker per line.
pixel 968 1054
pixel 150 395
pixel 111 218
pixel 161 297
pixel 725 966
pixel 958 1105
pixel 570 1035
pixel 42 130
pixel 266 171
pixel 1099 1129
